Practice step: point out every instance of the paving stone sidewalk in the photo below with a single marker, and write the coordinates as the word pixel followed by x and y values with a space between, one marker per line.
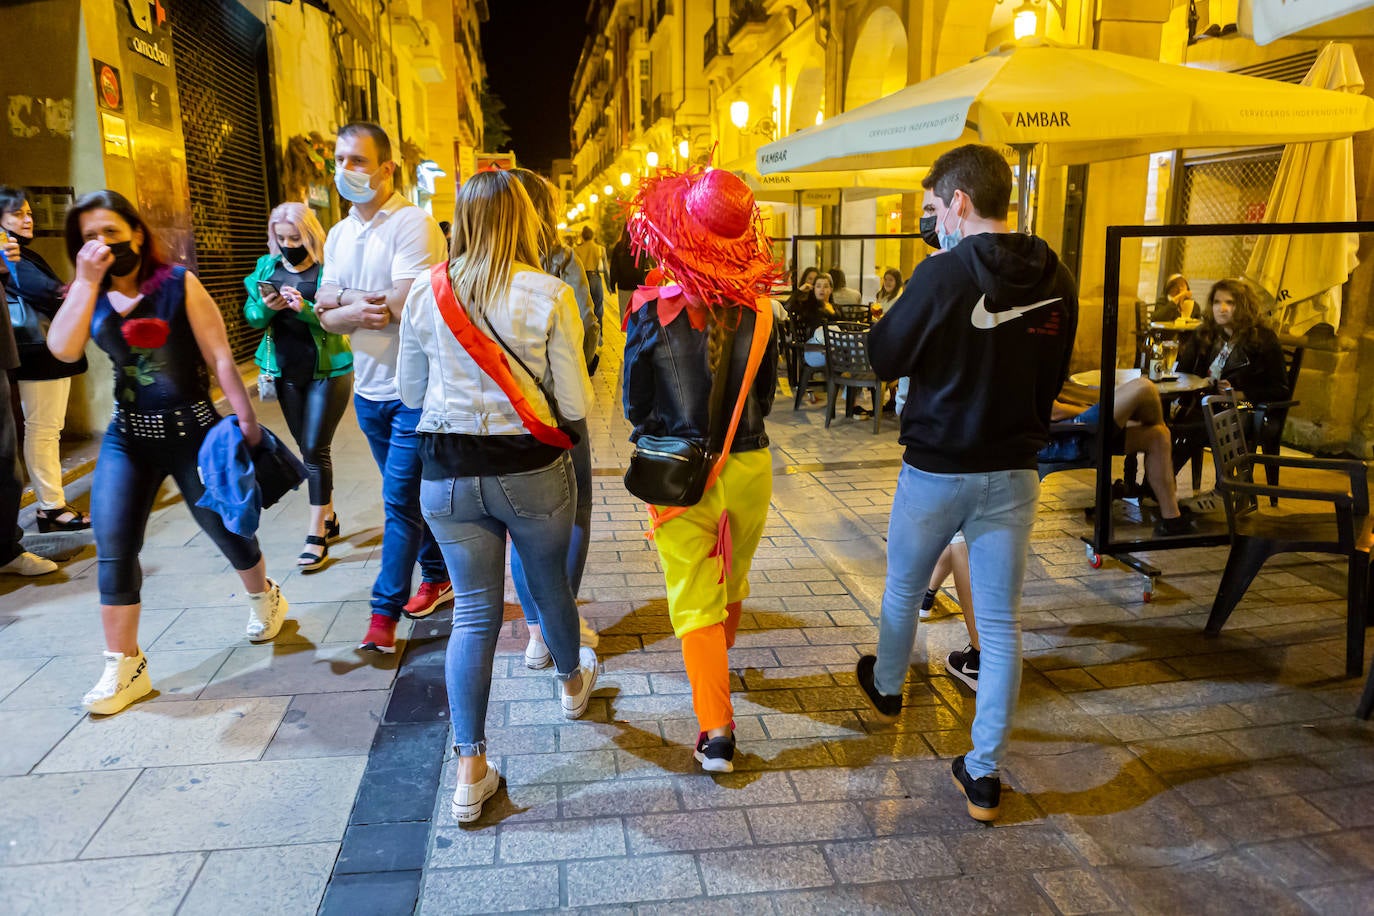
pixel 1153 769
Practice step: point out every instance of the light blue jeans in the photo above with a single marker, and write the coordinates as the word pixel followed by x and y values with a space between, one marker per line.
pixel 470 518
pixel 995 512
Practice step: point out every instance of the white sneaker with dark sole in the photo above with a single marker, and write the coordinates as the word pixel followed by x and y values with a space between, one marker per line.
pixel 468 798
pixel 574 705
pixel 124 681
pixel 266 613
pixel 537 655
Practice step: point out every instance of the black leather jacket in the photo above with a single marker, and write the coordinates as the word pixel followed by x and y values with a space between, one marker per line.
pixel 668 381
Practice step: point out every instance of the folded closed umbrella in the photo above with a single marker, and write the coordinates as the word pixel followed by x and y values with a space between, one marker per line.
pixel 1315 183
pixel 1270 20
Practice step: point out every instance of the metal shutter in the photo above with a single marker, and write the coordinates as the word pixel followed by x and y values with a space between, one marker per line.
pixel 217 45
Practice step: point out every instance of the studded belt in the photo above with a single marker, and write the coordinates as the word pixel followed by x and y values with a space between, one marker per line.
pixel 176 423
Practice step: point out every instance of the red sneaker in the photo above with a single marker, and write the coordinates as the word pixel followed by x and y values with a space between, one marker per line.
pixel 427 599
pixel 381 635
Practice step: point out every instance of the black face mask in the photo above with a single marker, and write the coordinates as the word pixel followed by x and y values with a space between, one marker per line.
pixel 126 260
pixel 24 241
pixel 928 233
pixel 295 256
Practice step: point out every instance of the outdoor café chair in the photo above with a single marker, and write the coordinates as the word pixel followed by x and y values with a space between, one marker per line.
pixel 846 358
pixel 1257 536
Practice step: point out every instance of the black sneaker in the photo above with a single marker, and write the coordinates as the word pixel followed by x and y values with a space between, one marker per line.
pixel 1175 527
pixel 964 666
pixel 888 708
pixel 716 755
pixel 984 795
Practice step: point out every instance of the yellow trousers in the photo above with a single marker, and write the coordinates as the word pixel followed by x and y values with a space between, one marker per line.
pixel 706 554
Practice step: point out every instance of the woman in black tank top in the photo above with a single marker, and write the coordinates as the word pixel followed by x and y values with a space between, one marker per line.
pixel 164 335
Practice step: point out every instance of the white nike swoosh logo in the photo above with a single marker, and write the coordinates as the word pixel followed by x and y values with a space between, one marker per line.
pixel 984 320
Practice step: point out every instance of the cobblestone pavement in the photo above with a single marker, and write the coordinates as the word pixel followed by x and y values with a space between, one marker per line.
pixel 1153 769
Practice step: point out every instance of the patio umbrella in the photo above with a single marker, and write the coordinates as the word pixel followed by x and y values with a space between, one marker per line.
pixel 1315 182
pixel 1082 105
pixel 857 184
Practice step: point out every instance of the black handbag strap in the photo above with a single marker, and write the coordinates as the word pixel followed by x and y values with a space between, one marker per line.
pixel 538 383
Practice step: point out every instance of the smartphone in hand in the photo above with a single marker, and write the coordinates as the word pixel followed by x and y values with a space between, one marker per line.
pixel 266 289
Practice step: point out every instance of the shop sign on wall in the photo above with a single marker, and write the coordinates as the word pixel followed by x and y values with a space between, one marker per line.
pixel 109 88
pixel 50 206
pixel 154 102
pixel 115 131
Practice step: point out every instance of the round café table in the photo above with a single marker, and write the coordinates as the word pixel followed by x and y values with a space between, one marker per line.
pixel 1172 386
pixel 1178 325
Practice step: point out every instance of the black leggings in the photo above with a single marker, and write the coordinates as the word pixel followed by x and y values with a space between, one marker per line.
pixel 128 475
pixel 312 411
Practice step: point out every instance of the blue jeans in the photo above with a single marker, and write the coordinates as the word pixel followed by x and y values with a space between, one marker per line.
pixel 581 531
pixel 390 430
pixel 995 512
pixel 471 517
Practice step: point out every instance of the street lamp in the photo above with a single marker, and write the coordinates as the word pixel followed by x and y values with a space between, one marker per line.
pixel 684 149
pixel 1025 21
pixel 651 159
pixel 594 198
pixel 609 190
pixel 625 179
pixel 739 113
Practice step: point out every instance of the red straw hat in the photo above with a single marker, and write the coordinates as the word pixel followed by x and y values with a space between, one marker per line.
pixel 704 231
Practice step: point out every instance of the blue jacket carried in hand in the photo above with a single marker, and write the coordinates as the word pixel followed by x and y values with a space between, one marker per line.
pixel 240 481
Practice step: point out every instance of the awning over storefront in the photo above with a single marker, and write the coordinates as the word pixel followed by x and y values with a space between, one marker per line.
pixel 1270 20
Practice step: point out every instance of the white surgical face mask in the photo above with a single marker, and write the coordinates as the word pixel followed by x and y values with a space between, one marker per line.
pixel 355 187
pixel 949 238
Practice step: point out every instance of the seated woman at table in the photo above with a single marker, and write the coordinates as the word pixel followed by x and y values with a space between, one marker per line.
pixel 1139 420
pixel 812 311
pixel 1234 348
pixel 1177 299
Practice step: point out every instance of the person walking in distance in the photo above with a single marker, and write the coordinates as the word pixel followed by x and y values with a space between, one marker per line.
pixel 44 381
pixel 310 368
pixel 161 330
pixel 701 365
pixel 592 257
pixel 371 258
pixel 491 353
pixel 984 332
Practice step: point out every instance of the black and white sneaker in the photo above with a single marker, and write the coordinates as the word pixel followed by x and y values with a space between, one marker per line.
pixel 716 755
pixel 964 666
pixel 888 708
pixel 983 795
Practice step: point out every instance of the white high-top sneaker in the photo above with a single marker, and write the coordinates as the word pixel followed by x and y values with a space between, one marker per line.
pixel 266 613
pixel 124 681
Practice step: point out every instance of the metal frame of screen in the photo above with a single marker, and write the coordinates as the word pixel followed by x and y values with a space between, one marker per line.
pixel 1101 541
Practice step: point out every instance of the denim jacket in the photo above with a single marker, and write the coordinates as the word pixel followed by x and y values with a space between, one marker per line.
pixel 668 382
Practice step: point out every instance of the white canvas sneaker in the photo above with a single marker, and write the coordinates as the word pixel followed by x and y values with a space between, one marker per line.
pixel 266 613
pixel 28 564
pixel 575 704
pixel 468 799
pixel 124 681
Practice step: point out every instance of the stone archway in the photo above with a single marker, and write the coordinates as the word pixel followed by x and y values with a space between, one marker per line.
pixel 962 32
pixel 807 92
pixel 878 64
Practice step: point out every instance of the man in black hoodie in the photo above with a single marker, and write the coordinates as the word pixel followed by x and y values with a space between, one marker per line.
pixel 984 331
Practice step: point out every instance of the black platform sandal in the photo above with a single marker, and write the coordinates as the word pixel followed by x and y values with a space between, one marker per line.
pixel 309 561
pixel 331 527
pixel 50 520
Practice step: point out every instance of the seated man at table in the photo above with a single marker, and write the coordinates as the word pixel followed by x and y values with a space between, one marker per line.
pixel 1139 427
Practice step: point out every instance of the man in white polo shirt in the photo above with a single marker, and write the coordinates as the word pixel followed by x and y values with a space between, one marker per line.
pixel 370 260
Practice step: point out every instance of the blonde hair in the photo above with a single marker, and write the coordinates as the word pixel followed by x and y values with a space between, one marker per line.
pixel 494 226
pixel 303 219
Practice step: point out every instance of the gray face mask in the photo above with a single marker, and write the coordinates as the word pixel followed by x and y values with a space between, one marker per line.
pixel 355 187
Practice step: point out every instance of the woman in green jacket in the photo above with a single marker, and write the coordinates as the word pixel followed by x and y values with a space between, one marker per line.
pixel 310 368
